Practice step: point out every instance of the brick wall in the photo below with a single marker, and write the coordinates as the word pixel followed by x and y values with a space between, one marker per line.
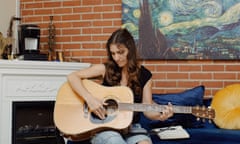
pixel 83 26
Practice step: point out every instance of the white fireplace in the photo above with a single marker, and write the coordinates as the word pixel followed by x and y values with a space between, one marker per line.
pixel 29 81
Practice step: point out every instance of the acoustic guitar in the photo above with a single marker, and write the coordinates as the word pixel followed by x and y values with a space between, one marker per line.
pixel 74 120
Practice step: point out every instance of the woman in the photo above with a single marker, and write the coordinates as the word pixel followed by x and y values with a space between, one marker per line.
pixel 122 68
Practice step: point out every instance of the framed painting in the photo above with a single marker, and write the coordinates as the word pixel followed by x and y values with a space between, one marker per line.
pixel 184 29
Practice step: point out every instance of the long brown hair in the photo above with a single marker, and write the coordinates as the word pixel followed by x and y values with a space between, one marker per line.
pixel 113 74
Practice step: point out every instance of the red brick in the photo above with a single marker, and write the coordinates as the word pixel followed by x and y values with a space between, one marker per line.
pixel 63 11
pixel 71 3
pixel 71 31
pixel 190 68
pixel 52 4
pixel 177 75
pixel 201 76
pixel 233 67
pixel 225 75
pixel 213 67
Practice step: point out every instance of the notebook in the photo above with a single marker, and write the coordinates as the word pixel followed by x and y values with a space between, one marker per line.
pixel 172 132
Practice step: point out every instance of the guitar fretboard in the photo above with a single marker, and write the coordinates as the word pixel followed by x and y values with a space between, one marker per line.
pixel 152 107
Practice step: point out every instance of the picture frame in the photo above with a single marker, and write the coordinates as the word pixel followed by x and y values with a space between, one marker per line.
pixel 184 30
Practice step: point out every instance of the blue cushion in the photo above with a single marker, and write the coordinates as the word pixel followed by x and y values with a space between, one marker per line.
pixel 190 97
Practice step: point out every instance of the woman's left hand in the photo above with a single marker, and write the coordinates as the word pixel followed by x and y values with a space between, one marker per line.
pixel 167 112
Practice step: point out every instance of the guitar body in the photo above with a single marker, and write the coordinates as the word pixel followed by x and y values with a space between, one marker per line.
pixel 76 122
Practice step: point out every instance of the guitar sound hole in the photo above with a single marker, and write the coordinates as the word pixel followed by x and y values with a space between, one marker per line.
pixel 111 106
pixel 111 109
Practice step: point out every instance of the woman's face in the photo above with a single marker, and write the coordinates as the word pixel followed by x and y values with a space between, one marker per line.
pixel 119 54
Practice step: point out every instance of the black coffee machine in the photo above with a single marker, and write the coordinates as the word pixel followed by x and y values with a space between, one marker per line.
pixel 29 42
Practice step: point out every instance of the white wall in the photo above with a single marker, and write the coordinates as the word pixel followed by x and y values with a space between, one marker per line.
pixel 8 8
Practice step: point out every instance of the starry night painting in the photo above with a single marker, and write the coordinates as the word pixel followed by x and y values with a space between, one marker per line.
pixel 184 29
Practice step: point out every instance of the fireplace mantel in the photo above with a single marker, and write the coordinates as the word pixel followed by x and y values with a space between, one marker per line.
pixel 29 81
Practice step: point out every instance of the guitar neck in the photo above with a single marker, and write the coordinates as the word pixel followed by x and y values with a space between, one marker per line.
pixel 153 107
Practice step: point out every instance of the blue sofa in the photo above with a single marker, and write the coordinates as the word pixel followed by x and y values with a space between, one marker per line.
pixel 208 134
pixel 203 133
pixel 200 132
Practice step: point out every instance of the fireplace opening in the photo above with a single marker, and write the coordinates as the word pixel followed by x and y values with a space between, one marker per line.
pixel 32 123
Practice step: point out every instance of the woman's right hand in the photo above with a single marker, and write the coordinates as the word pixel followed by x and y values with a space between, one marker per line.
pixel 96 106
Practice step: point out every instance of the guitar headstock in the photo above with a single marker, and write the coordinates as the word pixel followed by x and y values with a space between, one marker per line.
pixel 203 112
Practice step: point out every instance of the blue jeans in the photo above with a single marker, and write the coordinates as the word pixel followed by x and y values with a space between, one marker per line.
pixel 113 137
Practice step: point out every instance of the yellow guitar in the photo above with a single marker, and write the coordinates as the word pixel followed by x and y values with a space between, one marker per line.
pixel 72 118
